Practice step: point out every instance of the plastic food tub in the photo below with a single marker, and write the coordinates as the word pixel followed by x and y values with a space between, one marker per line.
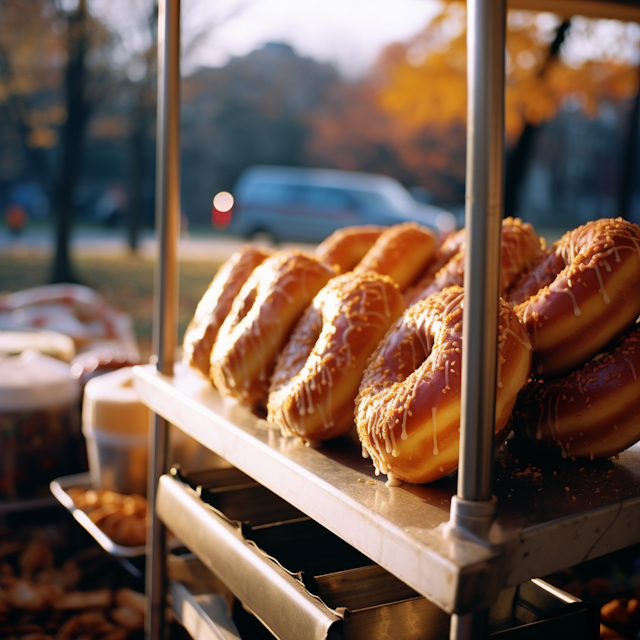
pixel 39 419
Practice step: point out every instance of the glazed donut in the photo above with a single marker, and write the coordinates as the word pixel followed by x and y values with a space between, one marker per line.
pixel 408 407
pixel 401 252
pixel 215 305
pixel 344 248
pixel 451 246
pixel 317 376
pixel 260 321
pixel 520 246
pixel 590 413
pixel 592 299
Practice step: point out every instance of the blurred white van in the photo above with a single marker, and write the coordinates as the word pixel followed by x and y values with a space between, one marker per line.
pixel 306 205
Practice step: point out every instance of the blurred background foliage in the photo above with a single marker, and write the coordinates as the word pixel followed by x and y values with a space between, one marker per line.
pixel 77 115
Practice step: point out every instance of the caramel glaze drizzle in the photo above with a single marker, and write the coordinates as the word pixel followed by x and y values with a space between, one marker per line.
pixel 520 248
pixel 594 246
pixel 215 306
pixel 575 412
pixel 424 345
pixel 343 325
pixel 260 320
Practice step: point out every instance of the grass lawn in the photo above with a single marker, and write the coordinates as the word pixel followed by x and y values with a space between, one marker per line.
pixel 126 284
pixel 125 281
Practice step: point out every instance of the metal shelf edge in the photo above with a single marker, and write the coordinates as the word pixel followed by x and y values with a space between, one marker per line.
pixel 275 596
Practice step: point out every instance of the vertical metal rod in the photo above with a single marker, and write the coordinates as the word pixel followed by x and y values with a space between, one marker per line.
pixel 485 185
pixel 486 31
pixel 167 184
pixel 471 625
pixel 166 291
pixel 155 568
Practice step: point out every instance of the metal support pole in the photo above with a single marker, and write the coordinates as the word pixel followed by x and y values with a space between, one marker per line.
pixel 166 291
pixel 155 568
pixel 473 507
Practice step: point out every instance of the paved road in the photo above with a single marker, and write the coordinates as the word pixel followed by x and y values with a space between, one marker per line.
pixel 98 242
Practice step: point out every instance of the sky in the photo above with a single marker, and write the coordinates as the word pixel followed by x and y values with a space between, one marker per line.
pixel 350 33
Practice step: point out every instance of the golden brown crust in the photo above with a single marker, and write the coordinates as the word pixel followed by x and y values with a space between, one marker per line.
pixel 590 413
pixel 401 252
pixel 621 615
pixel 541 273
pixel 98 599
pixel 520 247
pixel 451 246
pixel 316 380
pixel 128 618
pixel 215 305
pixel 131 599
pixel 260 322
pixel 408 408
pixel 591 301
pixel 345 248
pixel 121 517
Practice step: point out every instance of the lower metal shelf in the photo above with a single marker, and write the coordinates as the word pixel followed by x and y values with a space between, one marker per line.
pixel 204 616
pixel 301 581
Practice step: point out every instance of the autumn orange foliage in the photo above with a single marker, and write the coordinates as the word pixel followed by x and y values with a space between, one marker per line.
pixel 411 109
pixel 424 80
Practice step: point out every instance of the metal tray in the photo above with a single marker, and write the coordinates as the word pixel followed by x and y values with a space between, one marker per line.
pixel 301 581
pixel 59 488
pixel 552 513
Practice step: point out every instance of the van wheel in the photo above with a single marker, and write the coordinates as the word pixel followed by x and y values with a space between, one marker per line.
pixel 260 236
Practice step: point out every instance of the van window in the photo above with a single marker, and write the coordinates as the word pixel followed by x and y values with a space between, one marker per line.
pixel 273 193
pixel 267 193
pixel 327 198
pixel 374 200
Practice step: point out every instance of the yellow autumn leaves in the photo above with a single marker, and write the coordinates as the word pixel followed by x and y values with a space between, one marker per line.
pixel 423 81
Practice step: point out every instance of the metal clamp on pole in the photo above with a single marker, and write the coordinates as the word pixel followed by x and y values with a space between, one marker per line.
pixel 473 509
pixel 472 518
pixel 166 292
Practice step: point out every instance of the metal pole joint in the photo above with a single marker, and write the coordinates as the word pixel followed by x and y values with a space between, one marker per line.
pixel 471 518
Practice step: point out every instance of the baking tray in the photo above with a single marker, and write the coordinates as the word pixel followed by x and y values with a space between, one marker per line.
pixel 59 488
pixel 553 513
pixel 301 581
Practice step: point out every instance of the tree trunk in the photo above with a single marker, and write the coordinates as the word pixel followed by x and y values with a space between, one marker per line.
pixel 629 166
pixel 137 174
pixel 142 114
pixel 72 138
pixel 519 158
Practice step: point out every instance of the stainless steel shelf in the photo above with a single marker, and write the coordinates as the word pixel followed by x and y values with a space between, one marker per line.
pixel 301 581
pixel 552 513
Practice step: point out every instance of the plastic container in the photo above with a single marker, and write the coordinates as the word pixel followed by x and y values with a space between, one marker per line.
pixel 39 420
pixel 115 424
pixel 117 461
pixel 49 343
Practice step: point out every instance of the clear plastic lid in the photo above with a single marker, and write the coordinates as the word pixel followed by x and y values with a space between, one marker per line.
pixel 33 381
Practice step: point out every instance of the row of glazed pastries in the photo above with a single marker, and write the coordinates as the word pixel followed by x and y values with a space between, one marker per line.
pixel 368 329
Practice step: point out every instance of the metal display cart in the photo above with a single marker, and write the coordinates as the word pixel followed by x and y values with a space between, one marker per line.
pixel 459 546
